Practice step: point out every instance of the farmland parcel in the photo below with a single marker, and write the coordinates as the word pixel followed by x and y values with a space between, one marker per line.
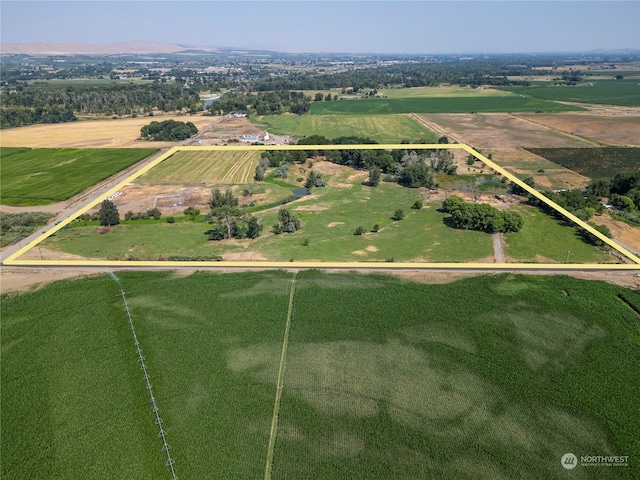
pixel 378 385
pixel 44 176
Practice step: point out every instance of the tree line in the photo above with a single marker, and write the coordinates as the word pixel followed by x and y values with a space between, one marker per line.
pixel 262 103
pixel 54 105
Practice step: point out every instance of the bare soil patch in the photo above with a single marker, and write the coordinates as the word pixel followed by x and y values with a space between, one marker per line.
pixel 620 129
pixel 334 224
pixel 621 231
pixel 169 199
pixel 121 133
pixel 243 256
pixel 501 130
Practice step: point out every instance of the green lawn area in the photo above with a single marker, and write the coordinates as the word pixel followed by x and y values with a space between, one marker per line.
pixel 390 129
pixel 482 378
pixel 462 104
pixel 48 175
pixel 607 92
pixel 330 218
pixel 544 238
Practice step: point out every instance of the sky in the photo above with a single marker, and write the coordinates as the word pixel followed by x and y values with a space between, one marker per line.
pixel 411 27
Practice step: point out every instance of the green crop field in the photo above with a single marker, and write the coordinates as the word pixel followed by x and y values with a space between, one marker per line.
pixel 204 166
pixel 593 162
pixel 462 104
pixel 487 377
pixel 381 128
pixel 48 175
pixel 608 92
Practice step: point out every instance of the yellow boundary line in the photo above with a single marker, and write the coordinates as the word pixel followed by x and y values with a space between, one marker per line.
pixel 13 260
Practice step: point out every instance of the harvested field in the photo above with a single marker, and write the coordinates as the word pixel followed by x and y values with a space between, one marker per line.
pixel 500 130
pixel 546 174
pixel 618 130
pixel 621 231
pixel 121 133
pixel 231 167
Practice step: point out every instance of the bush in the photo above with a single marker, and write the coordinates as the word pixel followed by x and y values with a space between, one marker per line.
pixel 376 228
pixel 191 212
pixel 398 215
pixel 417 205
pixel 171 220
pixel 359 231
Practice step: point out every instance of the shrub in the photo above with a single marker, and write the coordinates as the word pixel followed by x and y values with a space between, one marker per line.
pixel 417 205
pixel 171 220
pixel 359 231
pixel 376 228
pixel 398 215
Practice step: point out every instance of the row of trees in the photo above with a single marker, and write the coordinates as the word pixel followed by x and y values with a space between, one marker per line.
pixel 37 104
pixel 623 189
pixel 481 216
pixel 262 103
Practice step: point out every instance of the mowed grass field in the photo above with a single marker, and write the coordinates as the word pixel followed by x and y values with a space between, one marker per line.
pixel 483 378
pixel 329 218
pixel 45 175
pixel 382 128
pixel 231 167
pixel 545 239
pixel 461 104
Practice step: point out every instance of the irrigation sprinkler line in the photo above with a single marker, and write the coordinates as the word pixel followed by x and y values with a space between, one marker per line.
pixel 279 384
pixel 165 446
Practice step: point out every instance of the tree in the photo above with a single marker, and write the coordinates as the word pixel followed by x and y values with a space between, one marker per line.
pixel 359 231
pixel 287 222
pixel 259 176
pixel 622 202
pixel 254 228
pixel 398 215
pixel 417 205
pixel 108 214
pixel 443 140
pixel 319 97
pixel 374 175
pixel 599 187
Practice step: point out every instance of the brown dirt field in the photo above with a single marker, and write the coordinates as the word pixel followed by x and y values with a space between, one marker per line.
pixel 169 199
pixel 122 133
pixel 613 130
pixel 42 253
pixel 501 130
pixel 621 231
pixel 21 279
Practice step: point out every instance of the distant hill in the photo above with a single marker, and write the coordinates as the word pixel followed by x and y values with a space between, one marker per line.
pixel 93 49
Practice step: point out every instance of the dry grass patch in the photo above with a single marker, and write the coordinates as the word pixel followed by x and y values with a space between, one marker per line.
pixel 121 133
pixel 612 130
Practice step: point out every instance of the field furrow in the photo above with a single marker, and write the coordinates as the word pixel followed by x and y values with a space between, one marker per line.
pixel 204 167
